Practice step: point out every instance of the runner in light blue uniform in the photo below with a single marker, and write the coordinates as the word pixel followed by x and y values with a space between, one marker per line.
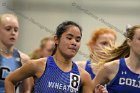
pixel 8 65
pixel 10 57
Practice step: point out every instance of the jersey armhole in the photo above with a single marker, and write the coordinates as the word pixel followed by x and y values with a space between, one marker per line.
pixel 115 77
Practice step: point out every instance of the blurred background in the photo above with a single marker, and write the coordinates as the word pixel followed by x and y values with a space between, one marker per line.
pixel 39 18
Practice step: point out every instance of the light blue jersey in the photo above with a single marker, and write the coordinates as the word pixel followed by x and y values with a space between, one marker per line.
pixel 125 80
pixel 8 65
pixel 54 80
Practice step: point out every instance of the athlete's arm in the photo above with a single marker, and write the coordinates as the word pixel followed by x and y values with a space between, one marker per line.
pixel 106 73
pixel 86 81
pixel 25 86
pixel 29 69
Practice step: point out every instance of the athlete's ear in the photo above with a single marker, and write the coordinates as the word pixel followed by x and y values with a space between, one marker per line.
pixel 129 42
pixel 56 40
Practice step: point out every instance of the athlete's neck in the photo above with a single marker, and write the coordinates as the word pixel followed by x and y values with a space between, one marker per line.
pixel 6 49
pixel 63 63
pixel 134 64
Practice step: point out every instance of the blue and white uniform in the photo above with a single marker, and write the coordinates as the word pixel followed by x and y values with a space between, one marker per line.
pixel 125 80
pixel 8 65
pixel 89 69
pixel 54 80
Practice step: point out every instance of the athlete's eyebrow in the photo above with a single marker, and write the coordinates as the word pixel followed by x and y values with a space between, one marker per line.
pixel 69 34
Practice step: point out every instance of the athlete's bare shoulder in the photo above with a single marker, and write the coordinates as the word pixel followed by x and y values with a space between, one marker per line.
pixel 86 81
pixel 39 65
pixel 24 57
pixel 81 64
pixel 84 74
pixel 111 65
pixel 111 69
pixel 39 62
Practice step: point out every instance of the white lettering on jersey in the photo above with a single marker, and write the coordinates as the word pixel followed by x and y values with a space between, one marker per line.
pixel 129 82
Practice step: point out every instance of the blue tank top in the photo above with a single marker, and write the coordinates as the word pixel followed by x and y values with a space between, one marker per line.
pixel 125 80
pixel 54 80
pixel 89 69
pixel 8 65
